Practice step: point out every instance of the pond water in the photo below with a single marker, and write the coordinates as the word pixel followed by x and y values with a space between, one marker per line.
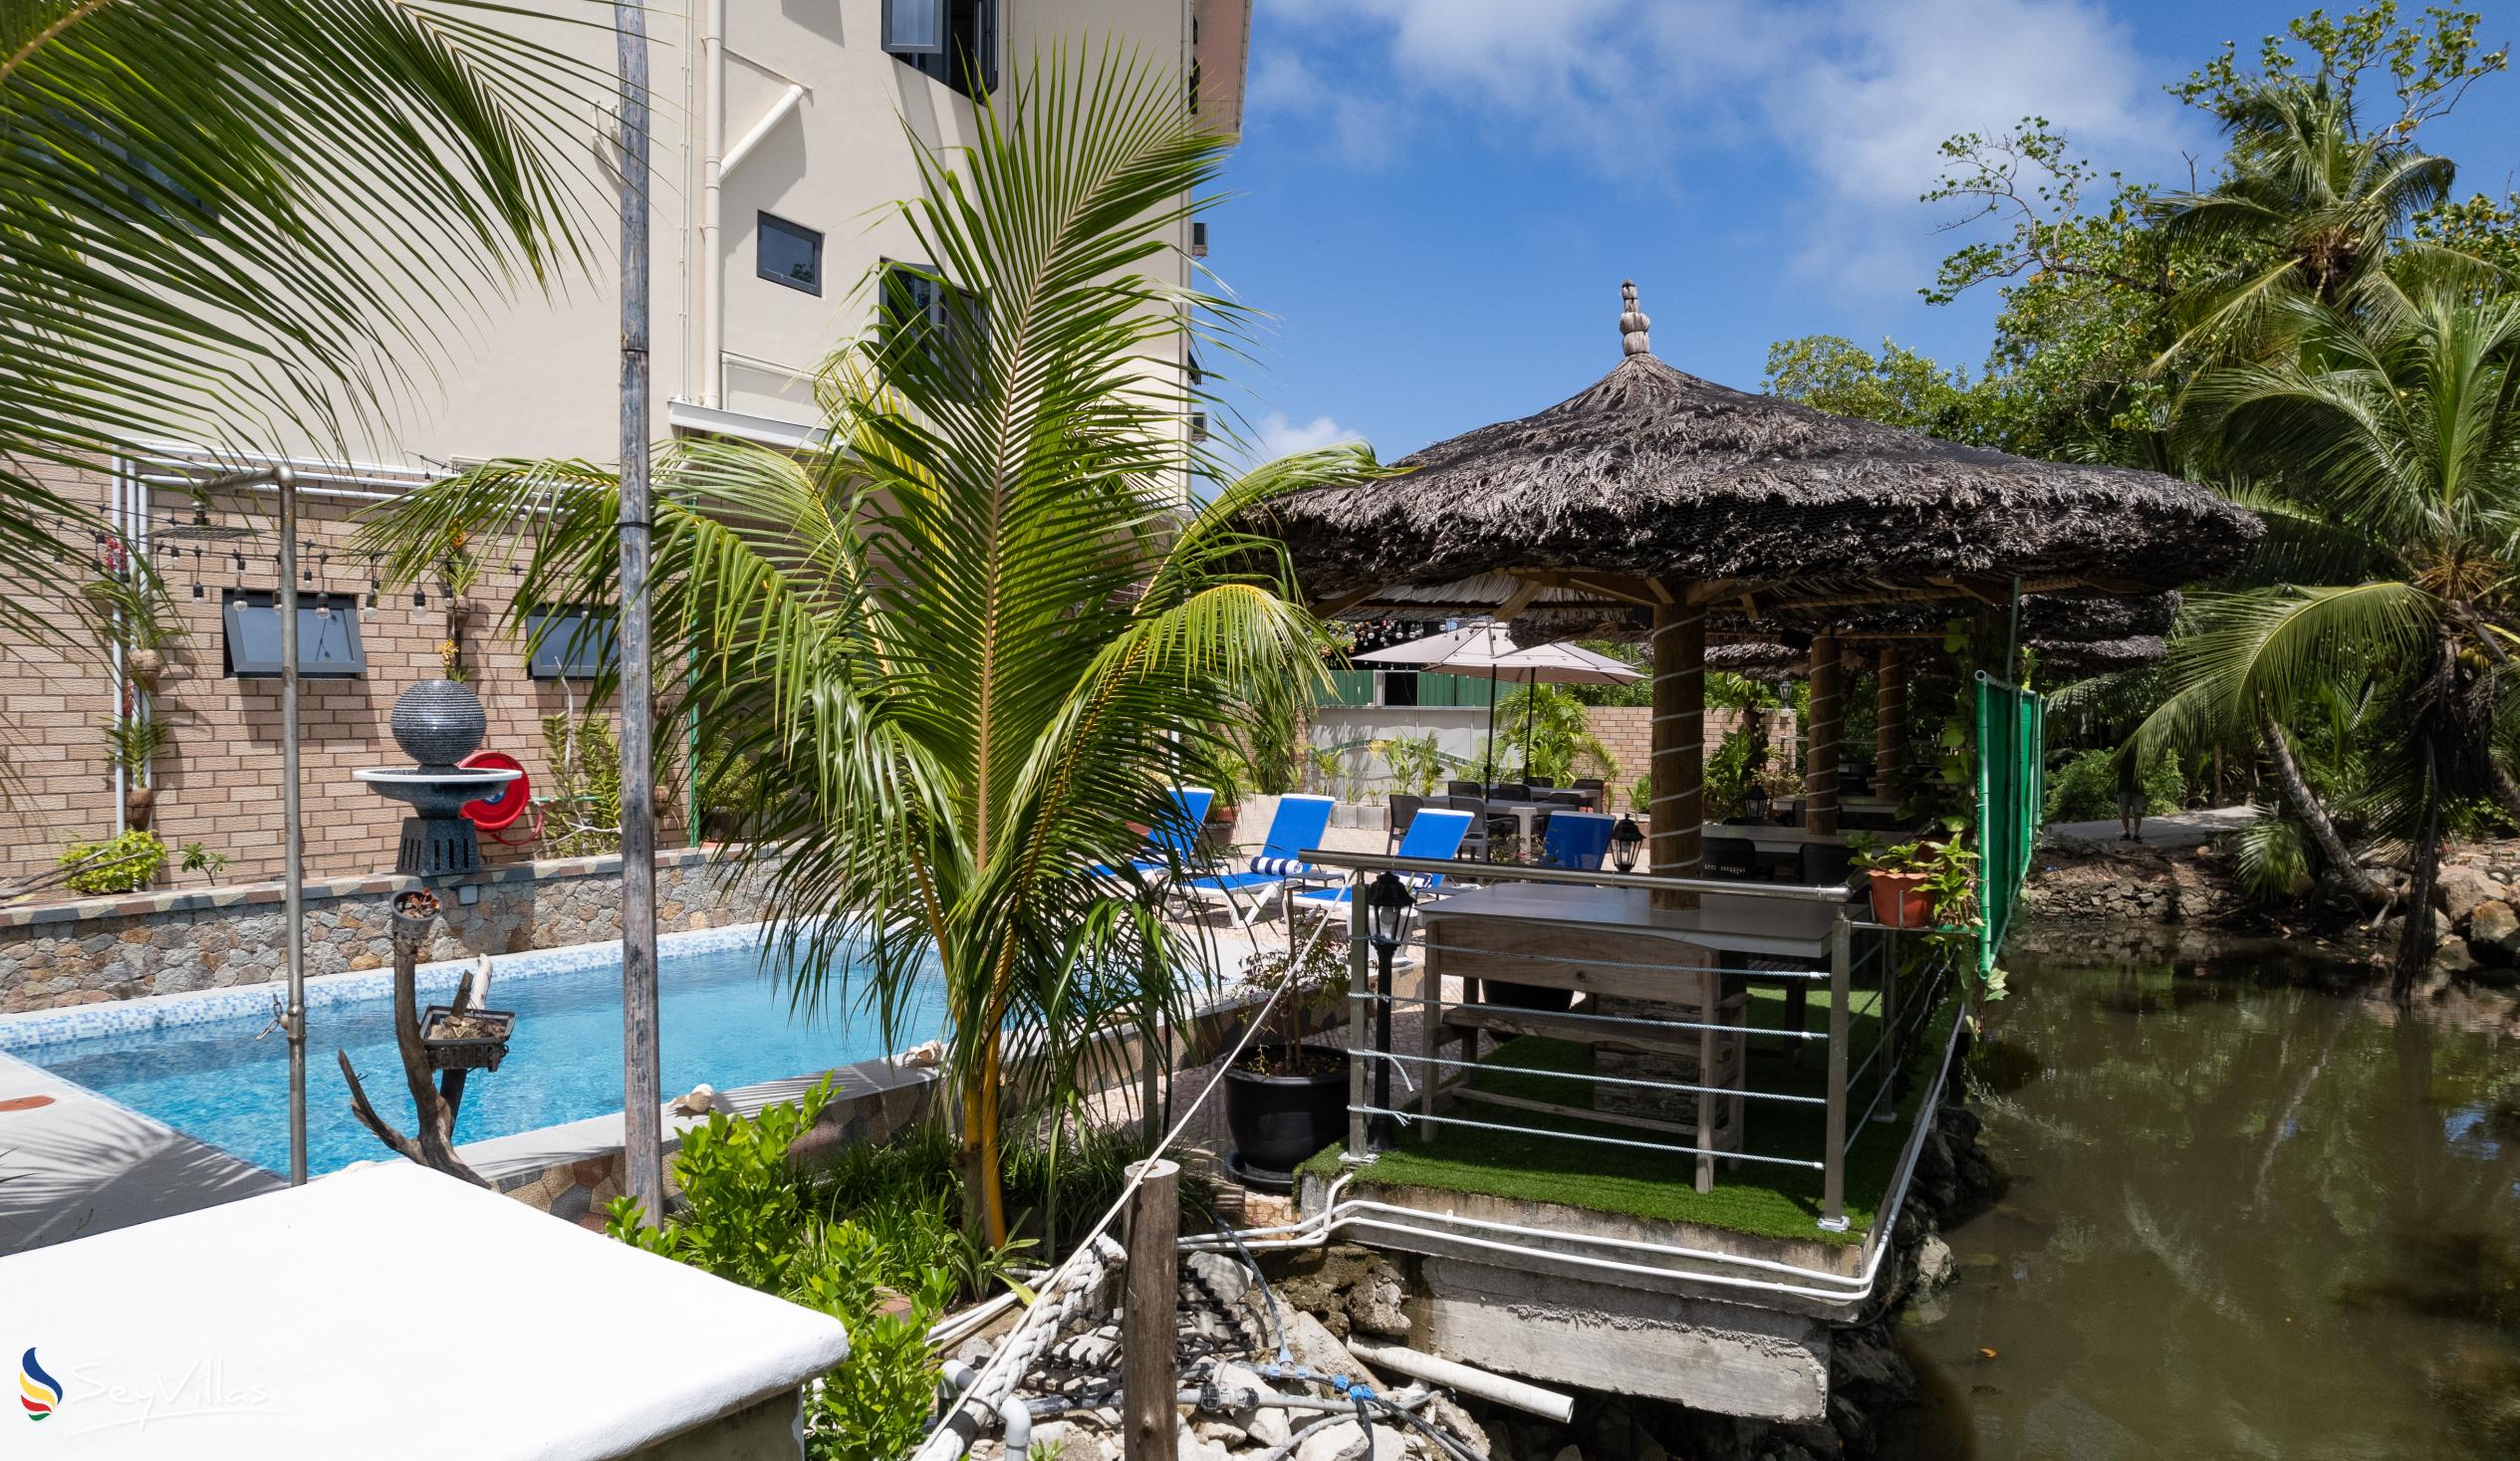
pixel 2246 1218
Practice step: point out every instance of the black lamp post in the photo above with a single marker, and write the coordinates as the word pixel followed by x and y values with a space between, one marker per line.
pixel 1626 841
pixel 1387 906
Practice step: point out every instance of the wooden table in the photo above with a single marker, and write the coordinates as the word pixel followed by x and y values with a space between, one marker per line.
pixel 1613 945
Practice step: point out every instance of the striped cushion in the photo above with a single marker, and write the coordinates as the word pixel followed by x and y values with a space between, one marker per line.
pixel 1277 866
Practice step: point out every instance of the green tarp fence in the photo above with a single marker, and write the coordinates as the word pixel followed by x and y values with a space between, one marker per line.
pixel 1356 687
pixel 2012 740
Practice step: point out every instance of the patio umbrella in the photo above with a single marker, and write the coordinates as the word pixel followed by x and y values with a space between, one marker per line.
pixel 1488 651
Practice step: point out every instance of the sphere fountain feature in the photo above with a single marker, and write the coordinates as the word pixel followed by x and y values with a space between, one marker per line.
pixel 437 723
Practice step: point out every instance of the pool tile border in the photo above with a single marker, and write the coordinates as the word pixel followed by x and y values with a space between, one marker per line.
pixel 36 1029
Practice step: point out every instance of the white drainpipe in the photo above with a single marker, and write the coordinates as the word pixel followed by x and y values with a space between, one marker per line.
pixel 712 208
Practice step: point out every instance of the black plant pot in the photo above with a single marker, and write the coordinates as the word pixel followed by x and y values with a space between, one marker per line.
pixel 1534 996
pixel 1279 1121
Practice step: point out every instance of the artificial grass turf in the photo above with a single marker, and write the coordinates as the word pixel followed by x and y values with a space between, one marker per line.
pixel 1762 1199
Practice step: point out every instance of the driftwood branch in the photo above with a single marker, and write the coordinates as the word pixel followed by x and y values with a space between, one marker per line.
pixel 433 1143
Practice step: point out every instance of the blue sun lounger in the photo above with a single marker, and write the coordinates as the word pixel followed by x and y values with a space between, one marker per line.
pixel 1435 836
pixel 1174 841
pixel 1296 827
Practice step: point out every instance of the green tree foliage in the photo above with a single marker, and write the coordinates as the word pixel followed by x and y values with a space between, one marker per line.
pixel 1558 745
pixel 972 640
pixel 2385 449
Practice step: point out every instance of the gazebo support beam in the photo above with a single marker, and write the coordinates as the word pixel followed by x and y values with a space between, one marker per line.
pixel 1890 723
pixel 1680 746
pixel 1820 767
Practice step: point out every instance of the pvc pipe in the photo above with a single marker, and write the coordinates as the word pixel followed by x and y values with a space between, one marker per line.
pixel 752 137
pixel 1017 1418
pixel 712 205
pixel 293 873
pixel 1469 1380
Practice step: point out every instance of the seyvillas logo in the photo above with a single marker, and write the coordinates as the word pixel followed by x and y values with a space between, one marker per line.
pixel 38 1392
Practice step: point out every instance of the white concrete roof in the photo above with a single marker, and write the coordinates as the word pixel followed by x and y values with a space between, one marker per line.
pixel 384 1311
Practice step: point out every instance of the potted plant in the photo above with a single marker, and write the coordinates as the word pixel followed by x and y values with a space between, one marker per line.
pixel 1286 1100
pixel 130 746
pixel 1216 835
pixel 1896 878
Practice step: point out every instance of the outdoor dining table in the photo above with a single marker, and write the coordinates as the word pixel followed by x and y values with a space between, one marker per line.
pixel 1525 812
pixel 1612 943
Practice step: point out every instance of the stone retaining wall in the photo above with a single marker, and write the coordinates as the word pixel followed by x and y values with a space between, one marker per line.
pixel 92 950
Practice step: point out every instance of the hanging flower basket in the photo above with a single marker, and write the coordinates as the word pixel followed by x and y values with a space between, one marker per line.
pixel 476 1039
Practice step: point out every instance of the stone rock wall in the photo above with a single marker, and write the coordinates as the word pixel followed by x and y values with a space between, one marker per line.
pixel 2074 878
pixel 94 950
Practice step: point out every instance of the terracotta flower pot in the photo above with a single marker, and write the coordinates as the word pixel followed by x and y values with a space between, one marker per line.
pixel 1899 899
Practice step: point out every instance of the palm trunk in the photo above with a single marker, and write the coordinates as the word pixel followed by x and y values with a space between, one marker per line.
pixel 2415 948
pixel 2506 791
pixel 2305 805
pixel 983 1194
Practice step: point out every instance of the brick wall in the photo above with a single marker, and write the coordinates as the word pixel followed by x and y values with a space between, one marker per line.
pixel 218 783
pixel 1626 731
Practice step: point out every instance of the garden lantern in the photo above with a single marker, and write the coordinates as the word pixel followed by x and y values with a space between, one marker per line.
pixel 1755 801
pixel 1627 840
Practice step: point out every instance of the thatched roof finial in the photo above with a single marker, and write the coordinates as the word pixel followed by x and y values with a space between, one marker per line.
pixel 1633 324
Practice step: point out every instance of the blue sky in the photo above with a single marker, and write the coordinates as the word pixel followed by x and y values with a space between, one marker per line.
pixel 1436 199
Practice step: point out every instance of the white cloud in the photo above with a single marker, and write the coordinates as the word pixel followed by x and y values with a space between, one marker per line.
pixel 1855 93
pixel 1279 436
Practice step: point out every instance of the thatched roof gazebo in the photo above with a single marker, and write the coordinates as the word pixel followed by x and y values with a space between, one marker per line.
pixel 1658 499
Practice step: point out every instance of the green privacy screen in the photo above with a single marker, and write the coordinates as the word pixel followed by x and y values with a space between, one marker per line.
pixel 2012 738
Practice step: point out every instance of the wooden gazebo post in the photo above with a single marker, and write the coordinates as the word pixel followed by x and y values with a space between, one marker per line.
pixel 1890 722
pixel 1820 766
pixel 1680 746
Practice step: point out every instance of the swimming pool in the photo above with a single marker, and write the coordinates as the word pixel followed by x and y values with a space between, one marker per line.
pixel 722 1018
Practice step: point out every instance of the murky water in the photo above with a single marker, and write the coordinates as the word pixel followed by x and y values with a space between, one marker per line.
pixel 2246 1218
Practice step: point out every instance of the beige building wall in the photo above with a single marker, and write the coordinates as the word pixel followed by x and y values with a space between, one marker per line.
pixel 539 378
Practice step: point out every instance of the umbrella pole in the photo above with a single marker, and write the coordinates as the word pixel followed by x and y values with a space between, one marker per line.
pixel 1487 765
pixel 1531 703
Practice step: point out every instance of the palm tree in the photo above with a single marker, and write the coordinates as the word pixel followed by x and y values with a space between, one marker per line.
pixel 2312 208
pixel 227 217
pixel 2387 449
pixel 969 641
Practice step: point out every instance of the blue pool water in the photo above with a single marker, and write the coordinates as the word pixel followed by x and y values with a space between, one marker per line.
pixel 722 1017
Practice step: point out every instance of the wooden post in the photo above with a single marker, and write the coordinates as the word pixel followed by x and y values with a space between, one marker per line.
pixel 1820 767
pixel 642 1120
pixel 1148 1385
pixel 1890 724
pixel 1680 746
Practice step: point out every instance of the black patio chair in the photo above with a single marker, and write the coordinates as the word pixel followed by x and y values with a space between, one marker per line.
pixel 1731 856
pixel 1826 864
pixel 1464 789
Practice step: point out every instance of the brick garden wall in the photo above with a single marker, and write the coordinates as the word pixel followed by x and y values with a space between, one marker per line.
pixel 218 783
pixel 92 950
pixel 1626 732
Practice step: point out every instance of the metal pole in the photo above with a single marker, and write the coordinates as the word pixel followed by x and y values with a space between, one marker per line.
pixel 1359 987
pixel 1379 1130
pixel 642 1126
pixel 292 830
pixel 1147 1386
pixel 1833 1160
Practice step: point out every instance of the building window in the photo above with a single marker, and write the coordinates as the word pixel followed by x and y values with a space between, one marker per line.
pixel 790 254
pixel 329 646
pixel 926 313
pixel 570 644
pixel 954 41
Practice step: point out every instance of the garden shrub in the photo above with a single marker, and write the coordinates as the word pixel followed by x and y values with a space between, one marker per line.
pixel 2085 788
pixel 131 864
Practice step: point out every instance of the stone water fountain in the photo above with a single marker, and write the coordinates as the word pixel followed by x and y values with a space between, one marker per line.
pixel 437 723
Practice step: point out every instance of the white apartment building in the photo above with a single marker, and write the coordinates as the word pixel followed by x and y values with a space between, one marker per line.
pixel 802 110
